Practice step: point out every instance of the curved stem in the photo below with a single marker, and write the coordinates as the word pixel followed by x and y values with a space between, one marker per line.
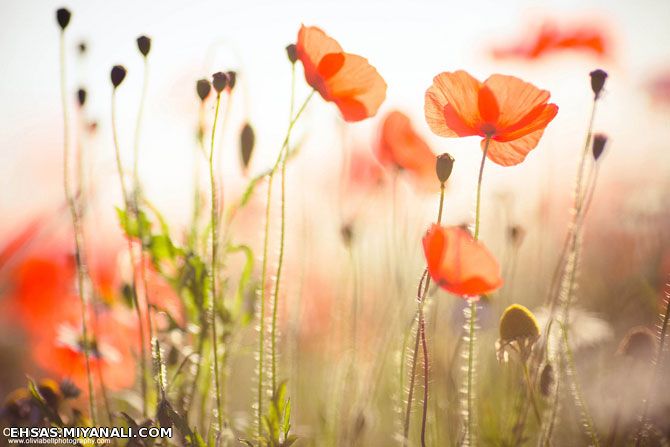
pixel 479 187
pixel 214 248
pixel 126 207
pixel 76 226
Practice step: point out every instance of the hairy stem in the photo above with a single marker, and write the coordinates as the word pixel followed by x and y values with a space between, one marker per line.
pixel 479 186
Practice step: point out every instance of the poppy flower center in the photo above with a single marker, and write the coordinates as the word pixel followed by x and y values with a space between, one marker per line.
pixel 488 129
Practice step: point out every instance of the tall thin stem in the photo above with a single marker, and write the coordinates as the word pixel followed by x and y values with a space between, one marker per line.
pixel 126 207
pixel 421 340
pixel 264 268
pixel 214 247
pixel 282 236
pixel 479 186
pixel 76 226
pixel 471 379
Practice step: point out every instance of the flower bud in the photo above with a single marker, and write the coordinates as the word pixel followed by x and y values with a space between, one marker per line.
pixel 292 53
pixel 599 143
pixel 639 344
pixel 247 142
pixel 546 380
pixel 117 75
pixel 82 47
pixel 443 167
pixel 144 45
pixel 219 81
pixel 232 77
pixel 347 233
pixel 63 17
pixel 598 78
pixel 203 87
pixel 69 389
pixel 517 322
pixel 81 97
pixel 516 234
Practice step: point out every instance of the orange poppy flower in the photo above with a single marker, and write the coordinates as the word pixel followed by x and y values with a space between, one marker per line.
pixel 346 79
pixel 458 263
pixel 508 111
pixel 399 145
pixel 552 39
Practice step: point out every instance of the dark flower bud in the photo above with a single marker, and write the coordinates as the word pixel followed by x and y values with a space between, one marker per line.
pixel 247 143
pixel 232 78
pixel 69 389
pixel 82 47
pixel 81 97
pixel 599 143
pixel 598 78
pixel 292 53
pixel 203 87
pixel 63 17
pixel 219 81
pixel 546 379
pixel 144 45
pixel 443 166
pixel 118 75
pixel 347 233
pixel 164 413
pixel 50 392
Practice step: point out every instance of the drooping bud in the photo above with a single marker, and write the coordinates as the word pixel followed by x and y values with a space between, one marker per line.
pixel 292 53
pixel 63 17
pixel 144 45
pixel 516 234
pixel 232 78
pixel 50 391
pixel 638 344
pixel 81 97
pixel 599 143
pixel 598 78
pixel 444 166
pixel 546 379
pixel 518 322
pixel 203 87
pixel 117 75
pixel 219 81
pixel 247 143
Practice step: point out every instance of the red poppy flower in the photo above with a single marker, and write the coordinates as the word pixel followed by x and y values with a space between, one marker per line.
pixel 112 339
pixel 508 111
pixel 346 79
pixel 458 263
pixel 551 39
pixel 401 146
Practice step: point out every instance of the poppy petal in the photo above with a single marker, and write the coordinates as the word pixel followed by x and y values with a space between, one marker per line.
pixel 452 101
pixel 536 120
pixel 312 45
pixel 356 88
pixel 510 153
pixel 515 98
pixel 400 145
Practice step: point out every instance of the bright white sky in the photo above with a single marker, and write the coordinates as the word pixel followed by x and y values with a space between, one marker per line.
pixel 408 42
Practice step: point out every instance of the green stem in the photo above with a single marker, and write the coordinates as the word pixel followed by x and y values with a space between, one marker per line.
pixel 126 208
pixel 76 225
pixel 531 393
pixel 264 268
pixel 471 369
pixel 479 186
pixel 214 247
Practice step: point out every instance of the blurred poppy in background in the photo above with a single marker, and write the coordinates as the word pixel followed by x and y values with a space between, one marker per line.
pixel 509 112
pixel 550 38
pixel 458 263
pixel 346 79
pixel 401 147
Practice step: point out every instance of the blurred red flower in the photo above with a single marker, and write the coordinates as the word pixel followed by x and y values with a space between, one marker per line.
pixel 458 263
pixel 399 145
pixel 346 79
pixel 510 112
pixel 549 38
pixel 659 88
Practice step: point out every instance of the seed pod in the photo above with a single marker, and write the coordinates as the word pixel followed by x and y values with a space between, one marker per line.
pixel 598 78
pixel 247 143
pixel 144 45
pixel 117 75
pixel 292 53
pixel 219 81
pixel 164 413
pixel 203 88
pixel 81 97
pixel 599 143
pixel 232 78
pixel 444 166
pixel 546 380
pixel 63 17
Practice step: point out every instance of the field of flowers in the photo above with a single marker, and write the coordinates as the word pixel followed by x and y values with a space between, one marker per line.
pixel 343 271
